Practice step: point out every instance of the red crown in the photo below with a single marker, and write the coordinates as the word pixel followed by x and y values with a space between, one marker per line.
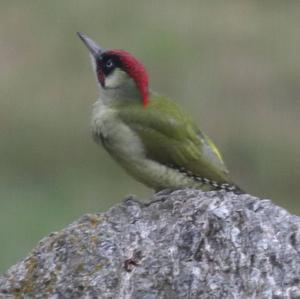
pixel 136 70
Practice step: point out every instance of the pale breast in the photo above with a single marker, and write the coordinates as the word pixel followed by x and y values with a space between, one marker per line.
pixel 117 137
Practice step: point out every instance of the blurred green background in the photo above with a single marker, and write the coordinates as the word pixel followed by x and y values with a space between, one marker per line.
pixel 234 65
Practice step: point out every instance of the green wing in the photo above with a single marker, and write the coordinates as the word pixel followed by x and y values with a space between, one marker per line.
pixel 171 137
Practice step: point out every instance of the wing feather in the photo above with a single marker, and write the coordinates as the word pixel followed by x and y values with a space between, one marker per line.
pixel 172 138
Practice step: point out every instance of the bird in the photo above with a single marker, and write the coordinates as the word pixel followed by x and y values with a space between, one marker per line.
pixel 148 134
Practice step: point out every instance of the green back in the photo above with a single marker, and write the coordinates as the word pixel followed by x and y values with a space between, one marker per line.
pixel 172 138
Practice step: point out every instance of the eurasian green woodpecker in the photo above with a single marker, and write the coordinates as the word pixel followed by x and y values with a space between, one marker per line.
pixel 148 134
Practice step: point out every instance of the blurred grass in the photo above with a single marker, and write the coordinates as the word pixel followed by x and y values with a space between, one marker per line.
pixel 234 65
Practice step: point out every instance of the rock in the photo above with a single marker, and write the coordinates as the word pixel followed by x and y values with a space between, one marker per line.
pixel 185 244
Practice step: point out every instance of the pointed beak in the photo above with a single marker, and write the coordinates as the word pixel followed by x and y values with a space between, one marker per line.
pixel 93 47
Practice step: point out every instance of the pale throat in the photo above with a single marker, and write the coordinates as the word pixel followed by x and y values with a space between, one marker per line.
pixel 119 87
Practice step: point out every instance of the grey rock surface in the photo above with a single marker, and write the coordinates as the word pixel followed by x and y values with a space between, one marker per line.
pixel 187 244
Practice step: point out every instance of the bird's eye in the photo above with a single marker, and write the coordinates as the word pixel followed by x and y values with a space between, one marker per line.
pixel 109 63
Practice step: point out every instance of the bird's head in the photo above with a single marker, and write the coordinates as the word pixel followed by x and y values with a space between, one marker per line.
pixel 118 72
